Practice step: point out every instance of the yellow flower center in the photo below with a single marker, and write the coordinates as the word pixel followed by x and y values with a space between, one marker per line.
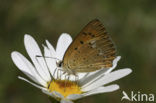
pixel 64 87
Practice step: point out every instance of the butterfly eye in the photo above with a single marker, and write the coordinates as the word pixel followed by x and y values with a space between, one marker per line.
pixel 59 63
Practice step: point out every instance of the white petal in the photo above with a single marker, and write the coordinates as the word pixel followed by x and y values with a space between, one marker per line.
pixel 26 67
pixel 37 86
pixel 105 79
pixel 71 77
pixel 63 42
pixel 58 94
pixel 20 62
pixel 51 62
pixel 33 51
pixel 74 96
pixel 99 90
pixel 66 101
pixel 91 76
pixel 32 78
pixel 52 94
pixel 51 48
pixel 115 62
pixel 81 75
pixel 95 75
pixel 87 77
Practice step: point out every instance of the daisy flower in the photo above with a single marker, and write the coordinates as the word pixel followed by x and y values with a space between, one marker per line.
pixel 45 75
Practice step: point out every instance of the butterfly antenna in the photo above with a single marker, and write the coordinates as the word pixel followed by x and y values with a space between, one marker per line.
pixel 36 57
pixel 47 57
pixel 54 72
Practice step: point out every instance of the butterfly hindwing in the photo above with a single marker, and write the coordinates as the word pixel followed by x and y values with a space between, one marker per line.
pixel 91 50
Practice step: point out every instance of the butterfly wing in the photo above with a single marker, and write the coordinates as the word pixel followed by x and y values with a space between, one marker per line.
pixel 91 50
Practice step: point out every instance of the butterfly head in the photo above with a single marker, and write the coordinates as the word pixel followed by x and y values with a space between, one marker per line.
pixel 59 63
pixel 64 69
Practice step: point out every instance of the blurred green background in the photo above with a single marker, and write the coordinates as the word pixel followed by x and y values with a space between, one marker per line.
pixel 131 24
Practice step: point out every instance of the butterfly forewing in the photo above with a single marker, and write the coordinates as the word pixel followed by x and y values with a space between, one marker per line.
pixel 91 50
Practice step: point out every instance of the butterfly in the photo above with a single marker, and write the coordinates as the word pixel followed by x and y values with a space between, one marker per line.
pixel 91 50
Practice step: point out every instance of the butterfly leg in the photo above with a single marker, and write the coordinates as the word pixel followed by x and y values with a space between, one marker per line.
pixel 67 77
pixel 76 78
pixel 54 73
pixel 58 73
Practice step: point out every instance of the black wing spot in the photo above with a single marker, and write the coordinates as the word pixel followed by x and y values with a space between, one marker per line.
pixel 90 65
pixel 93 35
pixel 101 25
pixel 84 33
pixel 90 33
pixel 91 47
pixel 75 48
pixel 81 42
